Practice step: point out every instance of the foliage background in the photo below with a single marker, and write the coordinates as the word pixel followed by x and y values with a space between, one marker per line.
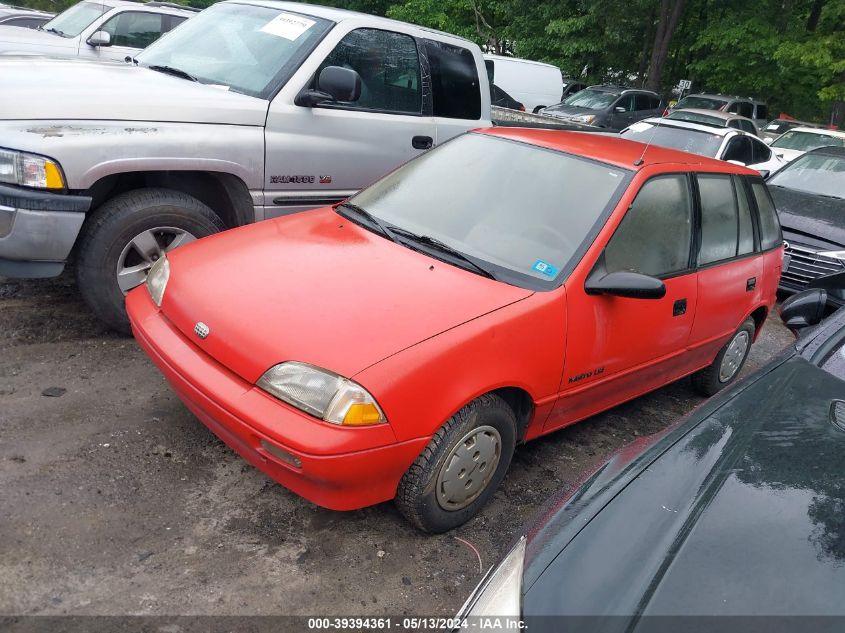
pixel 790 53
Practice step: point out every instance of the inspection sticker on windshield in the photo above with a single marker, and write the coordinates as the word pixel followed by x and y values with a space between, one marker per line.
pixel 544 268
pixel 288 26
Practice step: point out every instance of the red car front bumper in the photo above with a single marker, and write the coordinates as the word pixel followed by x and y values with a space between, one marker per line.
pixel 338 468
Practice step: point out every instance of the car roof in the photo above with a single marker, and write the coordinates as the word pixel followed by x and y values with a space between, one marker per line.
pixel 699 127
pixel 339 15
pixel 611 149
pixel 712 95
pixel 818 130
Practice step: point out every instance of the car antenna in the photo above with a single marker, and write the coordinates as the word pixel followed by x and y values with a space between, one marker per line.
pixel 640 160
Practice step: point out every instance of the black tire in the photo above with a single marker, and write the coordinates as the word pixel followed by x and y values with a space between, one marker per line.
pixel 113 226
pixel 416 496
pixel 707 381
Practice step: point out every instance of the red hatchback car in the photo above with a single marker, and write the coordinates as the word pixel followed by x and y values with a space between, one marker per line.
pixel 504 285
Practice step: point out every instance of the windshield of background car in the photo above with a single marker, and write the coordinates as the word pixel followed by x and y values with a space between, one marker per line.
pixel 239 47
pixel 687 140
pixel 780 126
pixel 72 22
pixel 805 141
pixel 702 103
pixel 593 99
pixel 695 117
pixel 813 173
pixel 523 212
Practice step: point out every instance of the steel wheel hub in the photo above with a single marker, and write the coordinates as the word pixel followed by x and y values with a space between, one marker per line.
pixel 469 468
pixel 734 356
pixel 143 250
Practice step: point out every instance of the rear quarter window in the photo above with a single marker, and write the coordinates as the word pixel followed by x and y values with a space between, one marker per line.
pixel 770 234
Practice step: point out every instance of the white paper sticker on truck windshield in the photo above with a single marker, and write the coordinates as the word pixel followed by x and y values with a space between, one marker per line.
pixel 288 26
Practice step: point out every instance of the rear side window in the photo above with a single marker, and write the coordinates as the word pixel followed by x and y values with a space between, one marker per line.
pixel 719 218
pixel 654 236
pixel 739 149
pixel 644 102
pixel 761 151
pixel 770 235
pixel 389 68
pixel 746 226
pixel 743 108
pixel 454 81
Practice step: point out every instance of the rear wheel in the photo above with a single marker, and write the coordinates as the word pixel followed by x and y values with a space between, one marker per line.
pixel 123 239
pixel 461 468
pixel 728 363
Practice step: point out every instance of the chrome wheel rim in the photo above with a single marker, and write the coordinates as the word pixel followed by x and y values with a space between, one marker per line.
pixel 734 355
pixel 468 468
pixel 143 250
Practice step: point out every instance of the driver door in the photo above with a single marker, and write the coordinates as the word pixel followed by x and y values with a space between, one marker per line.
pixel 625 347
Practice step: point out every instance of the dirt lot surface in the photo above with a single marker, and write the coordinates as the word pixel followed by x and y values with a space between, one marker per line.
pixel 116 500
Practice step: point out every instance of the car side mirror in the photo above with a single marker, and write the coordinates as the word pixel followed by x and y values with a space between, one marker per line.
pixel 625 283
pixel 619 109
pixel 804 309
pixel 335 83
pixel 100 38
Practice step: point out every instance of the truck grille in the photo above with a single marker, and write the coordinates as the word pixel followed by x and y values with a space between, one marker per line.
pixel 805 264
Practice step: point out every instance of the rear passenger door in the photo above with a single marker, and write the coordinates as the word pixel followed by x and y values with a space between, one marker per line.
pixel 730 270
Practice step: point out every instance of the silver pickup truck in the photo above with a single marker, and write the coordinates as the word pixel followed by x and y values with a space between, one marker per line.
pixel 247 111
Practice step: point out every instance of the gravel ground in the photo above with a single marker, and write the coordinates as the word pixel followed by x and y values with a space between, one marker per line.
pixel 117 501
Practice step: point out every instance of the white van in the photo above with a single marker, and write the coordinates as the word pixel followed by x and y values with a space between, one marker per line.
pixel 534 84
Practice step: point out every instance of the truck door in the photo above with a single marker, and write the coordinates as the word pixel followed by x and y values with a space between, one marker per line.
pixel 319 155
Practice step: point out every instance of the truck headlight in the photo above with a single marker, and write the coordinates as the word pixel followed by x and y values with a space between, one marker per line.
pixel 322 394
pixel 157 279
pixel 30 170
pixel 500 592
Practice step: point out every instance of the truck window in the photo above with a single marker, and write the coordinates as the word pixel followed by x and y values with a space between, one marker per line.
pixel 134 29
pixel 454 81
pixel 389 67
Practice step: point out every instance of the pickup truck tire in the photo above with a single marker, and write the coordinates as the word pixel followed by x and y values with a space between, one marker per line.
pixel 460 468
pixel 109 237
pixel 728 363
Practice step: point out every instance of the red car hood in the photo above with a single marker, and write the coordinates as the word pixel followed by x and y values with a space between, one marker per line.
pixel 317 288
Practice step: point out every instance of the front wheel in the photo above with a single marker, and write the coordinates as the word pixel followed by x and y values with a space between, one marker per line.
pixel 123 239
pixel 728 363
pixel 461 468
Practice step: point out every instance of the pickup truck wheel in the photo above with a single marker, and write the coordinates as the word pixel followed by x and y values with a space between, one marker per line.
pixel 460 468
pixel 728 363
pixel 125 236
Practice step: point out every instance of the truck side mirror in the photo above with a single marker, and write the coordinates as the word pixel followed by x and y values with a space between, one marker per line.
pixel 335 83
pixel 100 38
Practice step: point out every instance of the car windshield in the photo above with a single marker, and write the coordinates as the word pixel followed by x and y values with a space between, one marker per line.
pixel 780 126
pixel 701 103
pixel 696 117
pixel 813 173
pixel 805 141
pixel 72 22
pixel 593 99
pixel 523 212
pixel 239 47
pixel 685 139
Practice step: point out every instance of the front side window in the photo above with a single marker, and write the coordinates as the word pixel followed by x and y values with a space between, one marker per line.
pixel 591 99
pixel 527 213
pixel 626 103
pixel 770 235
pixel 454 81
pixel 742 108
pixel 654 236
pixel 389 68
pixel 246 48
pixel 134 29
pixel 72 22
pixel 762 112
pixel 719 218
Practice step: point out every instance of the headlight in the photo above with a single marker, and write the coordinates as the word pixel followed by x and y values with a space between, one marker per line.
pixel 500 592
pixel 322 393
pixel 29 170
pixel 840 255
pixel 157 279
pixel 585 118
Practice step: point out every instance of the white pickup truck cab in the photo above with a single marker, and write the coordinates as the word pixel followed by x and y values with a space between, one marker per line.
pixel 249 110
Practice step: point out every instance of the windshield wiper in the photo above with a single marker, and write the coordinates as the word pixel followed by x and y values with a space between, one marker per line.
pixel 433 243
pixel 56 31
pixel 369 217
pixel 169 70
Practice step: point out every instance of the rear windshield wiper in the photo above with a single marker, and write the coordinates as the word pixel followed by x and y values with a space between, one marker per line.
pixel 169 70
pixel 380 226
pixel 434 244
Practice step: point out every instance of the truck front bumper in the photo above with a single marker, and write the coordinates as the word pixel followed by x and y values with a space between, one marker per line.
pixel 38 230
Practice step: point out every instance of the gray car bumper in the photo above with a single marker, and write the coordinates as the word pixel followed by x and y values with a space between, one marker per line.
pixel 37 230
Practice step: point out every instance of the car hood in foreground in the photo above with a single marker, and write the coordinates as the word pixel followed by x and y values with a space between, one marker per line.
pixel 317 288
pixel 36 88
pixel 810 214
pixel 738 511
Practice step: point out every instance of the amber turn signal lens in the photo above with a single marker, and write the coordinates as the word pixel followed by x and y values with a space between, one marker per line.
pixel 362 414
